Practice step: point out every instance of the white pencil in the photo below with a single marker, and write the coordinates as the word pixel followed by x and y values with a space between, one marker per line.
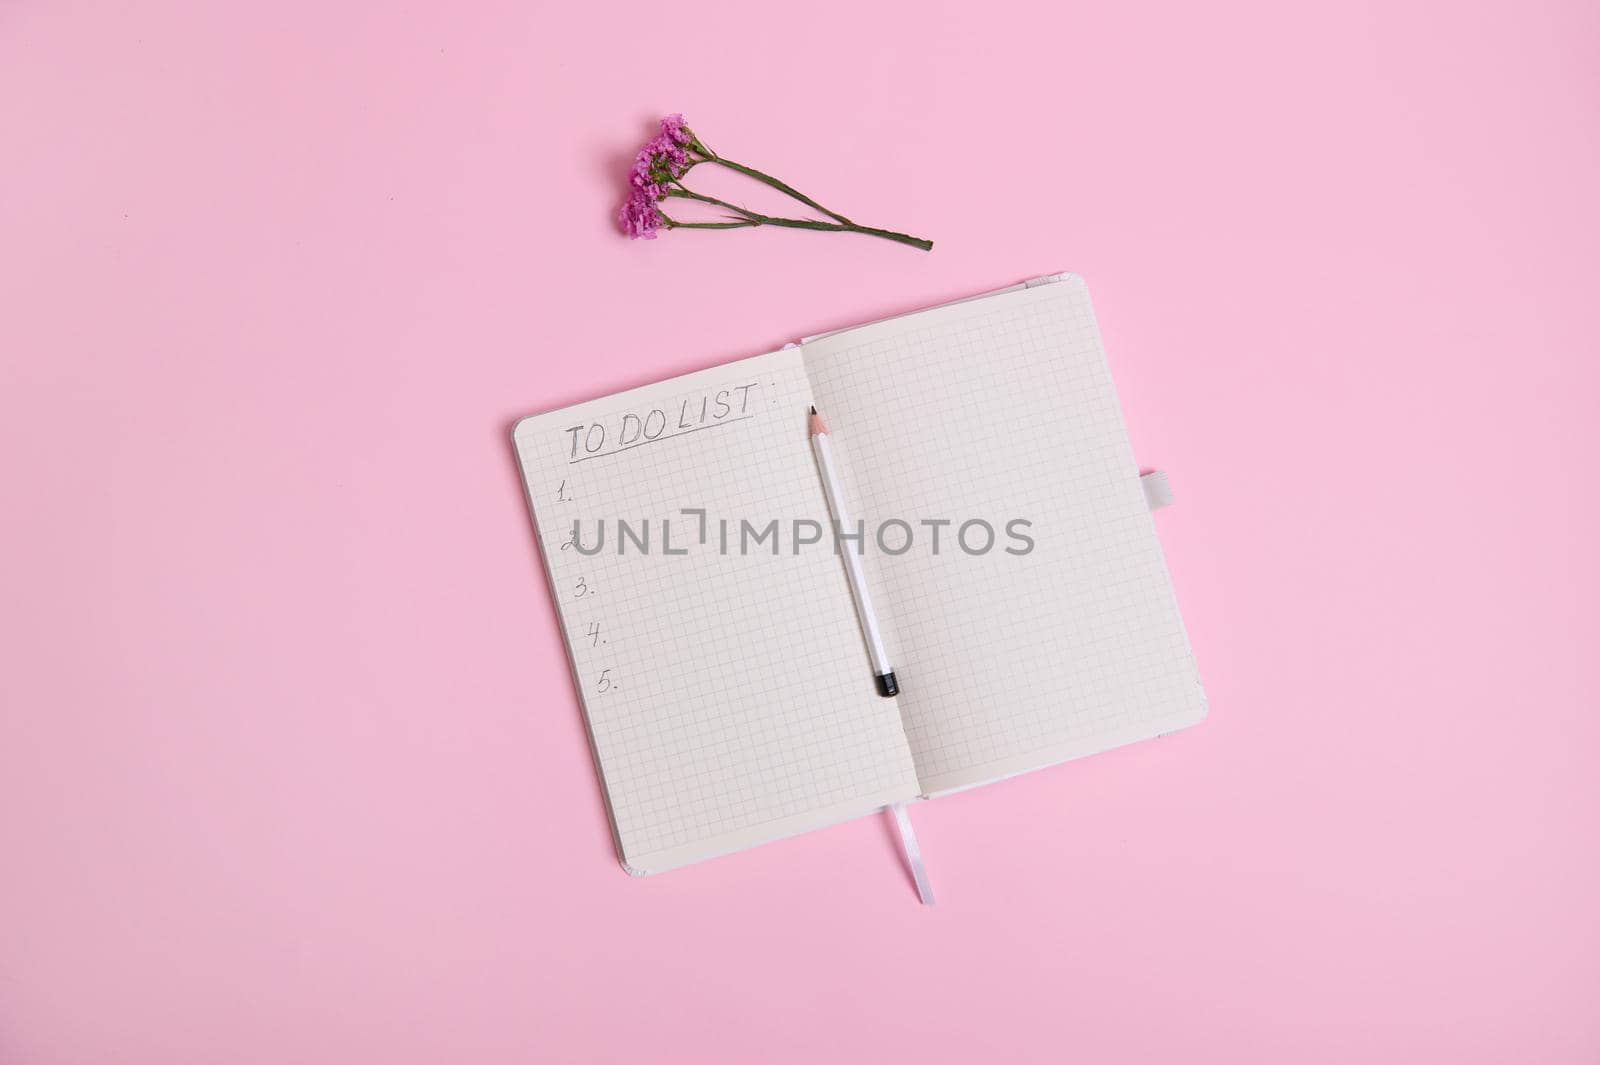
pixel 879 655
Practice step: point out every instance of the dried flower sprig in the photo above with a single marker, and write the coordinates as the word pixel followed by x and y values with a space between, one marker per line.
pixel 658 172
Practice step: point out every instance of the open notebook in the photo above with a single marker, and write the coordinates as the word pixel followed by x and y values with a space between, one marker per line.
pixel 717 654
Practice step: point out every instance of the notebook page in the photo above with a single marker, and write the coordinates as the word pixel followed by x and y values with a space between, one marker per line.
pixel 718 707
pixel 999 409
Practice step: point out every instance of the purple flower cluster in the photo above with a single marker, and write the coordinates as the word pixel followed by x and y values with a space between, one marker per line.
pixel 663 158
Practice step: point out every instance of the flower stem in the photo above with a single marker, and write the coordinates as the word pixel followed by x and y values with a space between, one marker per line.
pixel 750 218
pixel 850 227
pixel 674 224
pixel 689 195
pixel 781 186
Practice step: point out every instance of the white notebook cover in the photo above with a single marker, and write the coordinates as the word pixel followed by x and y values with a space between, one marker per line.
pixel 727 693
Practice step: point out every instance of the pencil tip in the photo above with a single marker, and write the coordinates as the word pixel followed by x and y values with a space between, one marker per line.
pixel 813 409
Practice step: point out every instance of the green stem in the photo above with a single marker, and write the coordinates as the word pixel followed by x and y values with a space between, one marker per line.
pixel 829 227
pixel 840 223
pixel 782 187
pixel 919 243
pixel 753 219
pixel 674 224
pixel 686 194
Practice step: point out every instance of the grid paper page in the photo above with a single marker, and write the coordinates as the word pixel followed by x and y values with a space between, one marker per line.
pixel 998 409
pixel 718 690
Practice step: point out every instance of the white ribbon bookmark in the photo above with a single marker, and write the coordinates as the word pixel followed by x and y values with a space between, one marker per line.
pixel 908 842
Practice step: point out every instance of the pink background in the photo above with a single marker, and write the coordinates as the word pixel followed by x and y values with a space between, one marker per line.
pixel 290 765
